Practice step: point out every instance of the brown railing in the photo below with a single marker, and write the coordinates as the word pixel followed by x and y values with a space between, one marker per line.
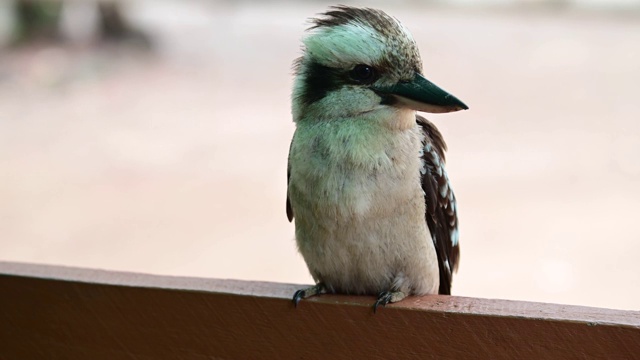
pixel 51 312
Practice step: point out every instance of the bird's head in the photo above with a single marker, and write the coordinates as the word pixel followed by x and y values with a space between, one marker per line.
pixel 357 61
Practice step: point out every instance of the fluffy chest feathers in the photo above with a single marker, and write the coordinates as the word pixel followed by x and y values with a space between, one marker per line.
pixel 348 169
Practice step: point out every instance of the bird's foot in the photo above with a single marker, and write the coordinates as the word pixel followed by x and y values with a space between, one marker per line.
pixel 387 297
pixel 310 291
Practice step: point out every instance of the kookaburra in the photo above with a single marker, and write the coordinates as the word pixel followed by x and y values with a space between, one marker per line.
pixel 374 211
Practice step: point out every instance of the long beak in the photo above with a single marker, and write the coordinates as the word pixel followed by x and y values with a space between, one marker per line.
pixel 422 95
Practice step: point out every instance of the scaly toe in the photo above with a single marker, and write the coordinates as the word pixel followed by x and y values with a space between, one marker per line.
pixel 308 292
pixel 387 297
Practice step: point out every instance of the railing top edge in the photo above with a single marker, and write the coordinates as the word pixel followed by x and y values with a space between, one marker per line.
pixel 439 303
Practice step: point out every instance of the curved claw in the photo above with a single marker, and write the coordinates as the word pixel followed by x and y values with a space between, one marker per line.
pixel 299 295
pixel 383 299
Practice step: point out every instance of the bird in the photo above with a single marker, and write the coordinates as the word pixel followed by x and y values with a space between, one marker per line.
pixel 374 210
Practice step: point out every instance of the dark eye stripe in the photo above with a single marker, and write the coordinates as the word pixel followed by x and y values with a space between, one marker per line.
pixel 319 80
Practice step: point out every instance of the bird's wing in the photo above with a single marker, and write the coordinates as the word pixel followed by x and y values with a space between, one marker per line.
pixel 289 209
pixel 441 212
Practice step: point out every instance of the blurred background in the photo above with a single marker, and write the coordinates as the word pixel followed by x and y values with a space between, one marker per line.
pixel 152 136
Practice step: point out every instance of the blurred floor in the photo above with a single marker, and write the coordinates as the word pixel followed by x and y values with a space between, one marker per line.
pixel 174 162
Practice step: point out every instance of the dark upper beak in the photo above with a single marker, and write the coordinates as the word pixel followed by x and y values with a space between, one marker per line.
pixel 422 95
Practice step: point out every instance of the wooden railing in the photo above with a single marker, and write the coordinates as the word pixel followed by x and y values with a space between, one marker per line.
pixel 51 312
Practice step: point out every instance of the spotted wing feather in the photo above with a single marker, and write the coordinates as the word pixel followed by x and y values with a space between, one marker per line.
pixel 441 210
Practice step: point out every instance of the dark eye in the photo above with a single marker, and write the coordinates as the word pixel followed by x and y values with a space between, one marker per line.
pixel 363 74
